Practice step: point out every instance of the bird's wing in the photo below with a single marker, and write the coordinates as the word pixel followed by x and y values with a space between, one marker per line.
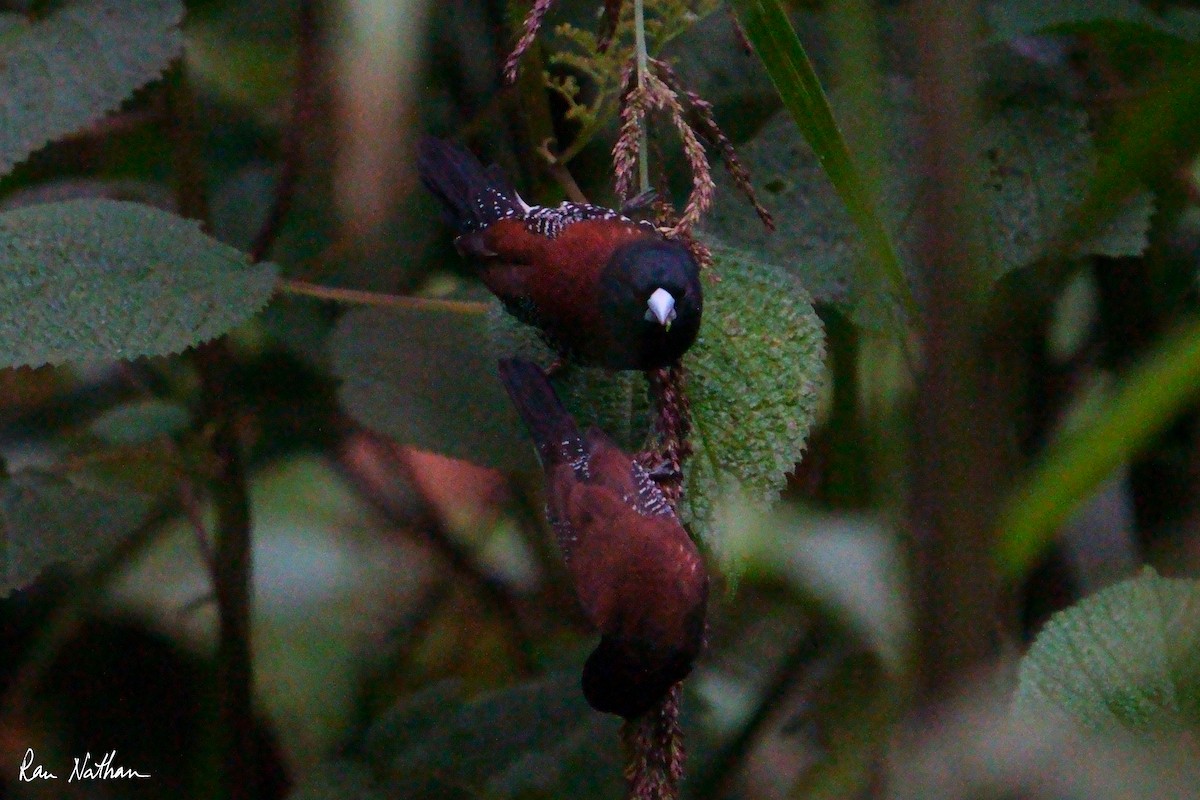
pixel 614 469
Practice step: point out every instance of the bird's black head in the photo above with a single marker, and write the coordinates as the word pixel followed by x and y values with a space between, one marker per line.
pixel 651 300
pixel 628 676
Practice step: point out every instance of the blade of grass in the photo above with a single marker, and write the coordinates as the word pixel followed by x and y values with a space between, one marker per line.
pixel 1148 399
pixel 775 41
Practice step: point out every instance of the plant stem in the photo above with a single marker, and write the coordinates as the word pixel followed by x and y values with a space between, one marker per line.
pixel 959 418
pixel 381 299
pixel 643 58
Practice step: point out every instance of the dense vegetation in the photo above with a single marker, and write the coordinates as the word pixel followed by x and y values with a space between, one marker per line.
pixel 269 527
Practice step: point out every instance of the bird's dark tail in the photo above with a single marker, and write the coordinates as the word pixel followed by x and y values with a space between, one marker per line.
pixel 554 431
pixel 472 196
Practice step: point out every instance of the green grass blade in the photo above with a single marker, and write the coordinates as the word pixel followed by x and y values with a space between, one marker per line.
pixel 1147 400
pixel 775 41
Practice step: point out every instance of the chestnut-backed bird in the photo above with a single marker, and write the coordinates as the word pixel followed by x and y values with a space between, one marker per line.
pixel 638 576
pixel 602 289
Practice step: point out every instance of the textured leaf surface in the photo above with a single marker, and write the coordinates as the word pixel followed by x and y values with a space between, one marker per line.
pixel 49 519
pixel 1034 165
pixel 1126 657
pixel 101 279
pixel 754 375
pixel 79 63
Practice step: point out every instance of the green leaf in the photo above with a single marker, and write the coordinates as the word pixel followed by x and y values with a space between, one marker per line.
pixel 1127 657
pixel 754 375
pixel 1034 166
pixel 100 279
pixel 49 519
pixel 1028 17
pixel 140 421
pixel 1163 383
pixel 771 34
pixel 849 566
pixel 78 64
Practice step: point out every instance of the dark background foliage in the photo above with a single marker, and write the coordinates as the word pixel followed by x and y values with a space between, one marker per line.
pixel 267 525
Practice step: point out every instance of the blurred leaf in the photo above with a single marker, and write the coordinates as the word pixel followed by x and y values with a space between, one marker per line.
pixel 1034 162
pixel 1014 18
pixel 48 519
pixel 537 739
pixel 1161 385
pixel 771 34
pixel 331 581
pixel 427 377
pixel 342 779
pixel 852 711
pixel 1126 657
pixel 78 64
pixel 140 421
pixel 253 71
pixel 848 565
pixel 99 279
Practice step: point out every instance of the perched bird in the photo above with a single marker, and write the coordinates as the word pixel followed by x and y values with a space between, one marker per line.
pixel 638 575
pixel 604 290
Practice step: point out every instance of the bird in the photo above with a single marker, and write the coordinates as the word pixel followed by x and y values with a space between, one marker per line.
pixel 638 576
pixel 602 289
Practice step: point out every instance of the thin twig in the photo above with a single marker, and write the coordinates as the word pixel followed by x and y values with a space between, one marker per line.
pixel 643 72
pixel 231 574
pixel 294 134
pixel 558 170
pixel 380 299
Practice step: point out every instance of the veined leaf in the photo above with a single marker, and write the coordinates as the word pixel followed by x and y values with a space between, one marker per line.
pixel 48 519
pixel 76 65
pixel 101 279
pixel 1127 657
pixel 1034 165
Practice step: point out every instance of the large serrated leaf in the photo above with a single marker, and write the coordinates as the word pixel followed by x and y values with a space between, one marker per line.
pixel 1034 166
pixel 48 519
pixel 100 279
pixel 754 375
pixel 78 64
pixel 1127 657
pixel 428 377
